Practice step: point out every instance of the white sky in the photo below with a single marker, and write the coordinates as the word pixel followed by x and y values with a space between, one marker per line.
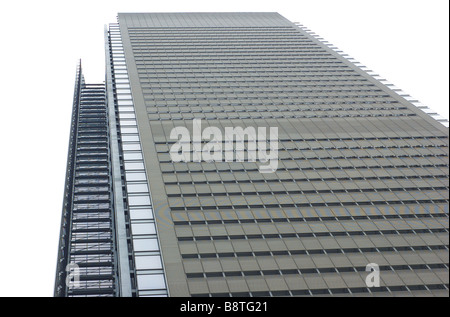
pixel 405 41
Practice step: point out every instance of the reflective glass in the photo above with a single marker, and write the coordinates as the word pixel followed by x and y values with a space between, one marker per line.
pixel 148 262
pixel 130 176
pixel 155 281
pixel 132 155
pixel 137 188
pixel 140 200
pixel 131 147
pixel 145 245
pixel 137 213
pixel 143 228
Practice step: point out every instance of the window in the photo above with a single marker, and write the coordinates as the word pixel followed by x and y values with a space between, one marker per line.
pixel 145 245
pixel 137 188
pixel 139 213
pixel 132 155
pixel 138 200
pixel 143 229
pixel 148 262
pixel 130 176
pixel 131 147
pixel 154 281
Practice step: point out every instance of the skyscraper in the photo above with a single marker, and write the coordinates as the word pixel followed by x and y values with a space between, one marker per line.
pixel 357 192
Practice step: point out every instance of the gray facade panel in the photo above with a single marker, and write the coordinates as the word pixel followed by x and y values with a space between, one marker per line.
pixel 203 19
pixel 356 161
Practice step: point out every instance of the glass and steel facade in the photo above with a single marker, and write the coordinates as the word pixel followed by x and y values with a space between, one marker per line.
pixel 362 171
pixel 146 255
pixel 87 235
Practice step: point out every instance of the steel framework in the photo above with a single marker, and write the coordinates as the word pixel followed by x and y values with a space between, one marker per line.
pixel 86 256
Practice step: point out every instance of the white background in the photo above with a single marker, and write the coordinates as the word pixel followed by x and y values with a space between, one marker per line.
pixel 405 41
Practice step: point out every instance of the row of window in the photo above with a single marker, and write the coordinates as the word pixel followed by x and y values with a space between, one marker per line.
pixel 249 106
pixel 177 204
pixel 235 50
pixel 342 148
pixel 175 39
pixel 276 73
pixel 243 101
pixel 256 109
pixel 148 78
pixel 216 30
pixel 267 109
pixel 442 180
pixel 312 234
pixel 218 33
pixel 248 115
pixel 311 219
pixel 222 51
pixel 189 193
pixel 215 61
pixel 322 251
pixel 318 145
pixel 158 68
pixel 286 46
pixel 250 86
pixel 211 168
pixel 187 38
pixel 401 157
pixel 193 29
pixel 201 37
pixel 219 63
pixel 315 271
pixel 332 291
pixel 142 57
pixel 254 90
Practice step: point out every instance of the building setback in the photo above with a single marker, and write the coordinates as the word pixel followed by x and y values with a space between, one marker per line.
pixel 361 179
